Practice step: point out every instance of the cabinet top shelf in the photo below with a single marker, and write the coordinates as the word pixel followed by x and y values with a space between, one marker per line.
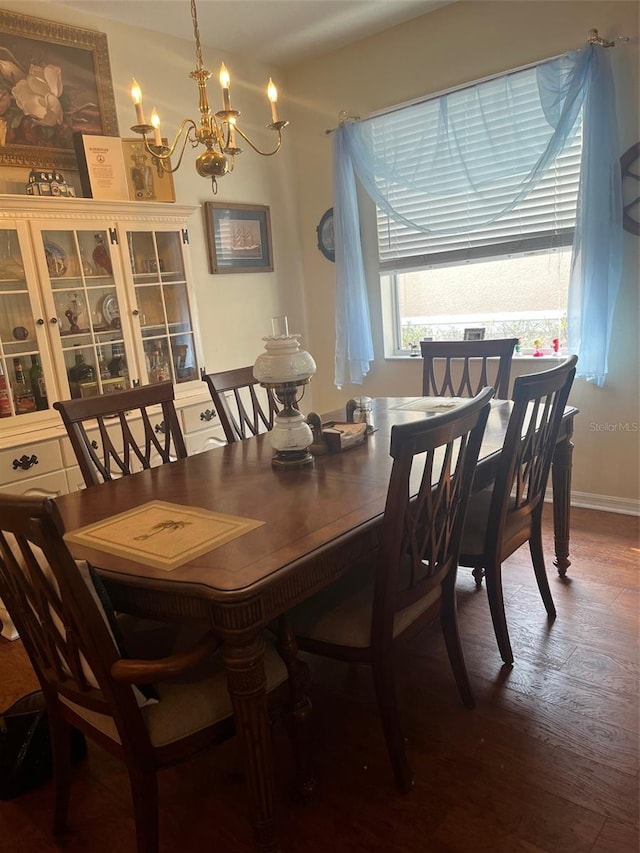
pixel 68 208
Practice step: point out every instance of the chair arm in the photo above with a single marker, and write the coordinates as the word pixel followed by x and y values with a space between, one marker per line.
pixel 148 671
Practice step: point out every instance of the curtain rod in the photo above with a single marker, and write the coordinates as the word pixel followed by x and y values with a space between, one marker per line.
pixel 592 38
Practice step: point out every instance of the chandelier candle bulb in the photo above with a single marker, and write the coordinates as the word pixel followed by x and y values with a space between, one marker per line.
pixel 136 97
pixel 155 121
pixel 225 83
pixel 272 94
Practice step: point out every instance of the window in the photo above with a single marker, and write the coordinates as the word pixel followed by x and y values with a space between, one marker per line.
pixel 508 276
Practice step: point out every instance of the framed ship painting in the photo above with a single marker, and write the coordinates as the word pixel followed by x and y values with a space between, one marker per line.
pixel 238 237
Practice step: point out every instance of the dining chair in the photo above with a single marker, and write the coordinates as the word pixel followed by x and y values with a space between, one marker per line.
pixel 129 439
pixel 362 617
pixel 241 406
pixel 93 668
pixel 448 367
pixel 505 515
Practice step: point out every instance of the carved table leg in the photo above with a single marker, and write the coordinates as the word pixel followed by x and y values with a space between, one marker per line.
pixel 247 686
pixel 561 481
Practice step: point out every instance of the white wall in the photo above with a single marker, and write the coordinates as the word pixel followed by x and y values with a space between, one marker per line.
pixel 234 310
pixel 462 42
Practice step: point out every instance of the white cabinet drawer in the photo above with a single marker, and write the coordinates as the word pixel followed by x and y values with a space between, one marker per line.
pixel 49 485
pixel 206 439
pixel 29 460
pixel 195 418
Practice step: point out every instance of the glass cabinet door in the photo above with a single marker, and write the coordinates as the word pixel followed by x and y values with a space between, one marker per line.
pixel 162 300
pixel 86 308
pixel 22 382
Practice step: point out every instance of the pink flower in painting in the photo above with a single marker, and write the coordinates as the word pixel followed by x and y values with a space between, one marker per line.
pixel 38 94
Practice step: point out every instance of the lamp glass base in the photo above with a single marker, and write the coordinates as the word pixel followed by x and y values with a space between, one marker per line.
pixel 291 458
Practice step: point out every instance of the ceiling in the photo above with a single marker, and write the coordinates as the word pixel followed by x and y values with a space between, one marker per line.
pixel 279 32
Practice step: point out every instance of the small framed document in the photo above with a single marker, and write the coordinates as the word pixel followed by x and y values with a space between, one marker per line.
pixel 101 167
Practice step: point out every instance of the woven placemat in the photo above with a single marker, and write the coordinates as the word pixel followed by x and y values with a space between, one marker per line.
pixel 163 535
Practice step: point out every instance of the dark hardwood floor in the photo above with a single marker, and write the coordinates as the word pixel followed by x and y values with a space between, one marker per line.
pixel 547 762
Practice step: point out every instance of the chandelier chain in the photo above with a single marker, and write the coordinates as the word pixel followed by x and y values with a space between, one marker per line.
pixel 196 35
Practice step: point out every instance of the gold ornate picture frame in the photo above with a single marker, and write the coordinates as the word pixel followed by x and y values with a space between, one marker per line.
pixel 37 126
pixel 146 179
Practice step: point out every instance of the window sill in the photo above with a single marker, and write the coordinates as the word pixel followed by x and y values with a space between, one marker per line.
pixel 546 357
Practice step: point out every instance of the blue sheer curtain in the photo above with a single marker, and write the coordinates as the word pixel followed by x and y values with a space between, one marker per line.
pixel 455 162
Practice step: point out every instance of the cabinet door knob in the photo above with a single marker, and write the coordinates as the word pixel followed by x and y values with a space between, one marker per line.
pixel 53 320
pixel 94 444
pixel 135 312
pixel 207 415
pixel 40 322
pixel 160 427
pixel 25 462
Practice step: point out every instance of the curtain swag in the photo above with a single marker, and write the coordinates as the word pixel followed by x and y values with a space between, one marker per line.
pixel 388 164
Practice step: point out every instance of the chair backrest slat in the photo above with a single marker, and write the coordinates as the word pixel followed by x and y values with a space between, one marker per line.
pixel 539 401
pixel 114 415
pixel 64 633
pixel 433 465
pixel 448 367
pixel 241 411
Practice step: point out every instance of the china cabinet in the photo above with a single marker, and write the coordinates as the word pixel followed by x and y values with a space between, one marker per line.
pixel 94 297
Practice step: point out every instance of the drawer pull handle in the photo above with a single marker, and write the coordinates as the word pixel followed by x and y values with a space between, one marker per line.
pixel 94 444
pixel 207 415
pixel 25 462
pixel 160 427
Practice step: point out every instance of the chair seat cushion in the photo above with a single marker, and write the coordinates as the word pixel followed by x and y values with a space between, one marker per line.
pixel 341 614
pixel 187 703
pixel 476 521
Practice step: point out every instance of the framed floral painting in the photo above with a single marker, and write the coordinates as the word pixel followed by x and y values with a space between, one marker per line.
pixel 55 80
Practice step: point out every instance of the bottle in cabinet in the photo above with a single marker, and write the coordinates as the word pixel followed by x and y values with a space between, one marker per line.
pixel 23 396
pixel 159 368
pixel 5 402
pixel 38 387
pixel 80 374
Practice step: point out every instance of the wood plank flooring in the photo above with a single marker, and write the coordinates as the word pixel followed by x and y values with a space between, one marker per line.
pixel 546 763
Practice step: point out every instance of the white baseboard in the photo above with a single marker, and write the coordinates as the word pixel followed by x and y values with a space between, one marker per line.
pixel 604 503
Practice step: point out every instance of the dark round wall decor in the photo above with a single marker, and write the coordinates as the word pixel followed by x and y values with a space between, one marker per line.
pixel 324 230
pixel 630 166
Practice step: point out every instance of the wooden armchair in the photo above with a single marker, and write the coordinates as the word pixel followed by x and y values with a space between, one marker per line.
pixel 81 657
pixel 448 367
pixel 362 616
pixel 128 438
pixel 504 516
pixel 244 413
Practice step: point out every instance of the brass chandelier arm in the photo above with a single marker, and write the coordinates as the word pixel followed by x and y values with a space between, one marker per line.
pixel 164 153
pixel 255 147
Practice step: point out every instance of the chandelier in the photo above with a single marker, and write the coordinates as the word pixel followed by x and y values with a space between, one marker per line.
pixel 217 132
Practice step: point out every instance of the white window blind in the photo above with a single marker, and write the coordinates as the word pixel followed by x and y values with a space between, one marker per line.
pixel 544 219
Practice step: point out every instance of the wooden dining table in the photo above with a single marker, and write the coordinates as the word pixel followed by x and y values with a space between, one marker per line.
pixel 316 523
